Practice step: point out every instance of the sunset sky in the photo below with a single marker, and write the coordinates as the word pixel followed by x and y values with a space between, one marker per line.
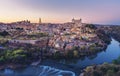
pixel 59 11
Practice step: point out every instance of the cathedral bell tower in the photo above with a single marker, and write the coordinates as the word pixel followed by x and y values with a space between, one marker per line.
pixel 40 21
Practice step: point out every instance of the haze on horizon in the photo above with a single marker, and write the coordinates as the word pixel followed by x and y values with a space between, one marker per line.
pixel 59 11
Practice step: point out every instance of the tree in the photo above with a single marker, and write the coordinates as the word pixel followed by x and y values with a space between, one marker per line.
pixel 88 69
pixel 70 54
pixel 115 62
pixel 91 26
pixel 76 54
pixel 110 73
pixel 95 73
pixel 2 59
pixel 57 55
pixel 4 33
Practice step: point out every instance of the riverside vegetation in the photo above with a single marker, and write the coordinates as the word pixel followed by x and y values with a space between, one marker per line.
pixel 104 70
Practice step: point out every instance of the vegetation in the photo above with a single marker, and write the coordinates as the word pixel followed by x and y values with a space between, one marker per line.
pixel 103 36
pixel 19 56
pixel 37 35
pixel 4 33
pixel 57 55
pixel 114 31
pixel 21 29
pixel 91 26
pixel 116 61
pixel 74 53
pixel 104 69
pixel 14 56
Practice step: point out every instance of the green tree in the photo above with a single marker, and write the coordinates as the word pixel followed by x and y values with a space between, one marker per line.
pixel 76 53
pixel 110 73
pixel 57 55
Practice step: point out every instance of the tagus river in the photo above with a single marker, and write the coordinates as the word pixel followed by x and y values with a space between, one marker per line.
pixel 67 67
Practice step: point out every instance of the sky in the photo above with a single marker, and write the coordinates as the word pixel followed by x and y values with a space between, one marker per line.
pixel 60 11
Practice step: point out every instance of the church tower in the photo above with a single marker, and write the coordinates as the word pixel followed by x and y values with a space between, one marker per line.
pixel 40 21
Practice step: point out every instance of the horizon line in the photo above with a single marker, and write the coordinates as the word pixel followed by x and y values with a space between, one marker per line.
pixel 57 22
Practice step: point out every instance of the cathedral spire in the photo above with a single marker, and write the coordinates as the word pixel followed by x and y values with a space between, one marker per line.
pixel 40 21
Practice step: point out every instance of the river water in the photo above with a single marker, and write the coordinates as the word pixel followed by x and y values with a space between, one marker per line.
pixel 67 67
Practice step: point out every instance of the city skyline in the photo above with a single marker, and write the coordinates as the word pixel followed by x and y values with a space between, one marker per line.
pixel 60 11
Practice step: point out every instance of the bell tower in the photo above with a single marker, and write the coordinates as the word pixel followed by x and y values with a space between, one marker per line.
pixel 40 21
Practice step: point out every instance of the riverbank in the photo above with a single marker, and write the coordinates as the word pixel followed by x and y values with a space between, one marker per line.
pixel 12 66
pixel 102 70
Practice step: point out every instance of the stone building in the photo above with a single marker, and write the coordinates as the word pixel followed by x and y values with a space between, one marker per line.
pixel 77 22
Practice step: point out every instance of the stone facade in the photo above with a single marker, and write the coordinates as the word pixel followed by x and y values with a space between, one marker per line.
pixel 77 22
